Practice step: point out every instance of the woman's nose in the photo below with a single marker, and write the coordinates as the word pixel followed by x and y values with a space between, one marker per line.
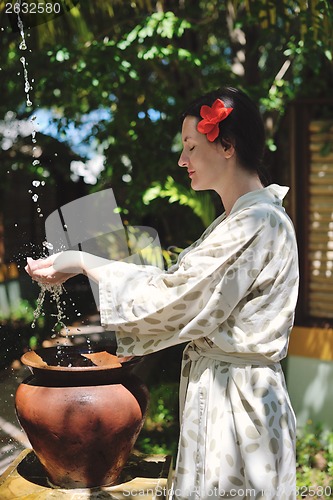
pixel 183 160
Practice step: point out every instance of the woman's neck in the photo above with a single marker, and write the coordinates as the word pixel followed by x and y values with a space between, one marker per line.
pixel 237 187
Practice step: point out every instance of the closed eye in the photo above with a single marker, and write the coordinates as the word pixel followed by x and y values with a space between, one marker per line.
pixel 191 149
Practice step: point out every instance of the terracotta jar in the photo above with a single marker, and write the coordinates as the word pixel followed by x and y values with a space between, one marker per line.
pixel 81 412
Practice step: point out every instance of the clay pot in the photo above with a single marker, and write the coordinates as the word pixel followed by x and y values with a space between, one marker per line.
pixel 82 420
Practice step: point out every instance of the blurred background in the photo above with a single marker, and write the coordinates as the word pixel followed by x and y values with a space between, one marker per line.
pixel 91 94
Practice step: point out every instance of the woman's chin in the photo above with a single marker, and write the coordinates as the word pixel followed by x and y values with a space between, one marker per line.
pixel 196 187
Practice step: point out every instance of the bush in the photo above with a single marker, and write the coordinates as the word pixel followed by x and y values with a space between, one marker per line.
pixel 314 455
pixel 161 429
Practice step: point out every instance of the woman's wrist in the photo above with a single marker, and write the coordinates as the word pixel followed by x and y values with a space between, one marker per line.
pixel 78 262
pixel 70 261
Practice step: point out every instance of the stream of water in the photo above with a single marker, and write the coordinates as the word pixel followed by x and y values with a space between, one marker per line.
pixel 55 292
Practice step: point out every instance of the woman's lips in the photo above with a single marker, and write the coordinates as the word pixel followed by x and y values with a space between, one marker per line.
pixel 190 173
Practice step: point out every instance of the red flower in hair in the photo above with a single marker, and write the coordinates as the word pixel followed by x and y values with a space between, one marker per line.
pixel 212 116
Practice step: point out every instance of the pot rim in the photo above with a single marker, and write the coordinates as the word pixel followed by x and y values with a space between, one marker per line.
pixel 34 360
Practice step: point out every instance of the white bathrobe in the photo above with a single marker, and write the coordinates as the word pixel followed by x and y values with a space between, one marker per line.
pixel 231 296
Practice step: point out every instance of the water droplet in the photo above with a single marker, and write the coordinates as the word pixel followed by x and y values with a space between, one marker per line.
pixel 35 197
pixel 23 46
pixel 35 183
pixel 48 245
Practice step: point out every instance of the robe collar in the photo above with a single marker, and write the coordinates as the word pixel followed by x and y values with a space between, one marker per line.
pixel 271 194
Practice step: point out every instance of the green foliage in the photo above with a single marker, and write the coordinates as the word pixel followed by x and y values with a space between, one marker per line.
pixel 200 203
pixel 161 428
pixel 140 64
pixel 23 313
pixel 314 455
pixel 16 334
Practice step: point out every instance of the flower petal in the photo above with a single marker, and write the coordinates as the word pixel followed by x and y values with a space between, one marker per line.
pixel 204 127
pixel 213 134
pixel 206 112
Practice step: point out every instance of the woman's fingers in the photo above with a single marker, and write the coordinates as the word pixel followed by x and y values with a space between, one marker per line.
pixel 55 269
pixel 41 269
pixel 33 265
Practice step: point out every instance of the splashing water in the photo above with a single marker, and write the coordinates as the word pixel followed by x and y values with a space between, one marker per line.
pixel 56 292
pixel 27 88
pixel 23 46
pixel 48 245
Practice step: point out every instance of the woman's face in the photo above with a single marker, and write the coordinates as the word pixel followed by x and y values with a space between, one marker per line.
pixel 204 160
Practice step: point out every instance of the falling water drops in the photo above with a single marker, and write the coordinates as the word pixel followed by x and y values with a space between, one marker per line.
pixel 27 85
pixel 55 291
pixel 48 245
pixel 55 294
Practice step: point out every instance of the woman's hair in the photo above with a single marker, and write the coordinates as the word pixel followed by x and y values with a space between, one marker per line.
pixel 243 128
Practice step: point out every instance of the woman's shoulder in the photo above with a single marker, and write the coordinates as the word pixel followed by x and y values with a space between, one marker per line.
pixel 259 218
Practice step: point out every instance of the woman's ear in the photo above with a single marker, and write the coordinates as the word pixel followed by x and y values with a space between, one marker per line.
pixel 228 150
pixel 227 147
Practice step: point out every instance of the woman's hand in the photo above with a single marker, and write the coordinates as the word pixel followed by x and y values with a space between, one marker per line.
pixel 55 269
pixel 59 267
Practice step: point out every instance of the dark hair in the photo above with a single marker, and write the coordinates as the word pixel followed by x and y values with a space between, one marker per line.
pixel 243 128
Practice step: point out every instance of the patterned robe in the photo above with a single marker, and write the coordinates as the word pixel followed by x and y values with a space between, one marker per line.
pixel 231 296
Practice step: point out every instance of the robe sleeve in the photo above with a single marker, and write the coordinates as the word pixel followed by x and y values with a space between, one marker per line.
pixel 151 309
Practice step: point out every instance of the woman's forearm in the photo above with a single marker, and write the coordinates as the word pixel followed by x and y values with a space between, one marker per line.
pixel 77 262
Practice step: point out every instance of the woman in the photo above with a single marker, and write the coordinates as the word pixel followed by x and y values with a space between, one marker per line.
pixel 231 297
